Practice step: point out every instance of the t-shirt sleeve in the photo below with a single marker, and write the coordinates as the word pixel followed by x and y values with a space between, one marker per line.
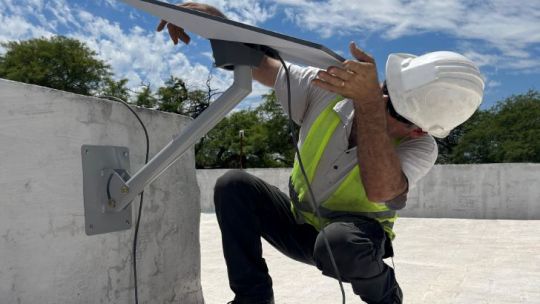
pixel 303 93
pixel 417 157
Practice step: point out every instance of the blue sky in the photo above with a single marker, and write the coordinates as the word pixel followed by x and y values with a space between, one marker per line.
pixel 502 36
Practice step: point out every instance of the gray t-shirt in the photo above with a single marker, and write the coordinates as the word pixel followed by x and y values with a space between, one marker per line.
pixel 417 156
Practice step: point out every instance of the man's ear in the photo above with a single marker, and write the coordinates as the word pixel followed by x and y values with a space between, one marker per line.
pixel 416 132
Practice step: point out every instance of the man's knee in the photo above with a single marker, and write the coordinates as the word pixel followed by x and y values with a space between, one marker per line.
pixel 355 255
pixel 231 178
pixel 230 184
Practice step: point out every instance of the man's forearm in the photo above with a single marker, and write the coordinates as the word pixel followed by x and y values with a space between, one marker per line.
pixel 380 167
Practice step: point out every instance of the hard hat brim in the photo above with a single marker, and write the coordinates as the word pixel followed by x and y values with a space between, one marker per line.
pixel 394 80
pixel 441 134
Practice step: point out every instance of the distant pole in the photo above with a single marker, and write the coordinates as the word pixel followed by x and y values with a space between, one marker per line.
pixel 241 133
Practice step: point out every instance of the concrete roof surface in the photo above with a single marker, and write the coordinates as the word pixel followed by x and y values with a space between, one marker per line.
pixel 437 261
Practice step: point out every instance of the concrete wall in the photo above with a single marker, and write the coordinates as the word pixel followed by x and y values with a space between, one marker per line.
pixel 490 191
pixel 46 257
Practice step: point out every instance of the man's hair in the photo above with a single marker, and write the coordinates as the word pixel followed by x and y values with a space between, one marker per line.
pixel 391 109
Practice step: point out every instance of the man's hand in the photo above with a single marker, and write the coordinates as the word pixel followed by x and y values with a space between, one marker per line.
pixel 177 33
pixel 380 167
pixel 265 73
pixel 356 80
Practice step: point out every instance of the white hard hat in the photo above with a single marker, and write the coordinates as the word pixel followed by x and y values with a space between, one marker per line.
pixel 437 91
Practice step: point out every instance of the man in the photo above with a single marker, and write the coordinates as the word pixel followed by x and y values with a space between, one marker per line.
pixel 363 147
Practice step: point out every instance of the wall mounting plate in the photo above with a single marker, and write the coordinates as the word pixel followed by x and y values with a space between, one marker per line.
pixel 98 164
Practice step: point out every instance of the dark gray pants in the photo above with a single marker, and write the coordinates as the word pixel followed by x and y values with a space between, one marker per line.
pixel 248 208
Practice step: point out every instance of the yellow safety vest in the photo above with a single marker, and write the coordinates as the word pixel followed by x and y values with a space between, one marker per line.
pixel 349 199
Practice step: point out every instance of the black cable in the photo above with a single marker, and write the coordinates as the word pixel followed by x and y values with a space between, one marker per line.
pixel 134 251
pixel 312 201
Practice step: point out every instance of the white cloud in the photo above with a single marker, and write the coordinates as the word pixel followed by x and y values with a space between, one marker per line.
pixel 62 12
pixel 136 54
pixel 481 59
pixel 248 11
pixel 110 3
pixel 15 27
pixel 509 28
pixel 493 84
pixel 139 55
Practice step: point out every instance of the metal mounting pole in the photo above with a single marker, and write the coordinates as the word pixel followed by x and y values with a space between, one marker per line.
pixel 123 192
pixel 108 188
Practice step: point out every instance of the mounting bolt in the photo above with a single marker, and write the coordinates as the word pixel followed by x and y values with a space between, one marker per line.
pixel 112 203
pixel 124 189
pixel 126 154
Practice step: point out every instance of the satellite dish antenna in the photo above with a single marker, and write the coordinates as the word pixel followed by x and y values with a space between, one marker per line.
pixel 217 28
pixel 108 188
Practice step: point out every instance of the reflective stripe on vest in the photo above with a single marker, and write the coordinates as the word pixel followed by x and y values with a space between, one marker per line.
pixel 349 199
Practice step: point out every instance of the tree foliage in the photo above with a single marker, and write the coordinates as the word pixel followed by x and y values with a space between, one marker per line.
pixel 266 141
pixel 172 95
pixel 277 131
pixel 145 98
pixel 115 88
pixel 176 97
pixel 58 62
pixel 508 132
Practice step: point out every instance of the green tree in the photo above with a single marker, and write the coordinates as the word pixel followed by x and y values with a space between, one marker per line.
pixel 508 132
pixel 116 89
pixel 176 97
pixel 448 144
pixel 196 102
pixel 220 148
pixel 172 95
pixel 267 142
pixel 276 131
pixel 145 98
pixel 57 62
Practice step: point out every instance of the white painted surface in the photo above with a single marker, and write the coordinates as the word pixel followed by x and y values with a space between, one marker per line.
pixel 443 261
pixel 46 255
pixel 490 191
